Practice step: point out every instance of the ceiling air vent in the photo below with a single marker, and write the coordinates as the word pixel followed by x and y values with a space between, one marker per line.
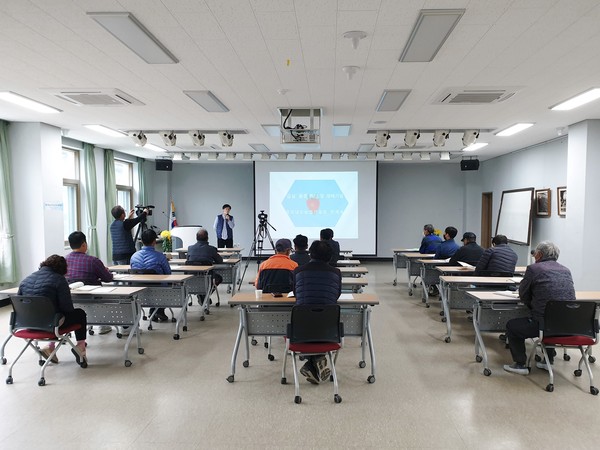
pixel 97 97
pixel 461 96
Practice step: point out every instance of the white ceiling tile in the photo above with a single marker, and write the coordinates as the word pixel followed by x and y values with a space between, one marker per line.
pixel 272 5
pixel 278 25
pixel 358 5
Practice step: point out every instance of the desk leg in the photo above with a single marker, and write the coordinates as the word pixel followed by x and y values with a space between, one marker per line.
pixel 445 293
pixel 135 330
pixel 370 378
pixel 182 317
pixel 479 344
pixel 395 282
pixel 424 286
pixel 410 287
pixel 236 346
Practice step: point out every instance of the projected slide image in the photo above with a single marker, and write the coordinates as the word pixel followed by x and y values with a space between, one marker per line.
pixel 316 200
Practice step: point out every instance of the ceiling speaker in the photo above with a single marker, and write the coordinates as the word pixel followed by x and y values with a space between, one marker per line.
pixel 164 164
pixel 469 164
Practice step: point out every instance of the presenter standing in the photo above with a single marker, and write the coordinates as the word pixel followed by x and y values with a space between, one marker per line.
pixel 224 225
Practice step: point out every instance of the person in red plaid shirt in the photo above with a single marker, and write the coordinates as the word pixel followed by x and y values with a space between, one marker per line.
pixel 85 268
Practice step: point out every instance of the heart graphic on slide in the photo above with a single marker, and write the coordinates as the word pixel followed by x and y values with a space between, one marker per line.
pixel 313 204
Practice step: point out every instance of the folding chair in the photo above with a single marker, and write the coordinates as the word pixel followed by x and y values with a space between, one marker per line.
pixel 569 324
pixel 36 319
pixel 313 330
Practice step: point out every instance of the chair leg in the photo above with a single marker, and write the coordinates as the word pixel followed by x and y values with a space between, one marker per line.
pixel 283 368
pixel 2 357
pixel 585 359
pixel 550 386
pixel 336 395
pixel 297 398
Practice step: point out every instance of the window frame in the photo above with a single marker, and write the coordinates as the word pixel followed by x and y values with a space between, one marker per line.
pixel 75 183
pixel 124 188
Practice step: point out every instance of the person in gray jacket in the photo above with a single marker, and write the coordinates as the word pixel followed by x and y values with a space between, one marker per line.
pixel 498 259
pixel 545 280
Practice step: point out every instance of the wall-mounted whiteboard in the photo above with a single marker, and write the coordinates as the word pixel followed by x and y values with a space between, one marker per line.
pixel 514 217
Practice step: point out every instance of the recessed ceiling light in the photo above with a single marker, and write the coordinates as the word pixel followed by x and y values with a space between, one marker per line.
pixel 260 148
pixel 272 130
pixel 127 29
pixel 341 130
pixel 514 129
pixel 207 100
pixel 25 102
pixel 155 148
pixel 365 147
pixel 391 100
pixel 579 100
pixel 473 147
pixel 380 122
pixel 431 30
pixel 105 130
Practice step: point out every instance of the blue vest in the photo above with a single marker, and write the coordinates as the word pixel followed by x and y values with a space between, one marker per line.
pixel 220 223
pixel 122 241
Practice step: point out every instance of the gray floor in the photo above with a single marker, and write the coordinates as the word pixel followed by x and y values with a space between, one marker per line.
pixel 428 394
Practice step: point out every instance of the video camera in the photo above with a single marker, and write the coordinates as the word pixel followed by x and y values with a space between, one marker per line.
pixel 140 209
pixel 262 216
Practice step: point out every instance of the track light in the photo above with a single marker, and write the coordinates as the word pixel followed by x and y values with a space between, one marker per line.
pixel 355 37
pixel 226 138
pixel 381 138
pixel 439 137
pixel 169 137
pixel 410 138
pixel 197 137
pixel 139 138
pixel 470 137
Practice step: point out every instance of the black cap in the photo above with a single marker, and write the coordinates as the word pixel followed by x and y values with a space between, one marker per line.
pixel 283 244
pixel 469 236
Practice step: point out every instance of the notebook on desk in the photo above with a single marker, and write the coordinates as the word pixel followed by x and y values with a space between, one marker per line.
pixel 466 265
pixel 510 294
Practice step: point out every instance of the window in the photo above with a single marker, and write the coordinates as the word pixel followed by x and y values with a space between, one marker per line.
pixel 71 204
pixel 124 180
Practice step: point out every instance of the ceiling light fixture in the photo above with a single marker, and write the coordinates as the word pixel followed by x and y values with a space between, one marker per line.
pixel 341 130
pixel 138 137
pixel 25 102
pixel 355 37
pixel 444 156
pixel 197 137
pixel 473 147
pixel 514 129
pixel 226 138
pixel 105 130
pixel 207 100
pixel 381 138
pixel 392 99
pixel 169 138
pixel 350 71
pixel 272 130
pixel 127 29
pixel 469 137
pixel 579 100
pixel 261 148
pixel 439 137
pixel 365 148
pixel 411 137
pixel 431 30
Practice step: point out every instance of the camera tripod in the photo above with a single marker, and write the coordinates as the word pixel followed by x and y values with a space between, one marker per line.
pixel 262 232
pixel 142 226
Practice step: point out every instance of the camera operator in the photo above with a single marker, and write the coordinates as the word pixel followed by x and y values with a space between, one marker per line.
pixel 120 233
pixel 224 225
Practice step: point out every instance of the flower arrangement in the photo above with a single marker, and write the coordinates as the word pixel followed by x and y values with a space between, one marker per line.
pixel 437 232
pixel 167 243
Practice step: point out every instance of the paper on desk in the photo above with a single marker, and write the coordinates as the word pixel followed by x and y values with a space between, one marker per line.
pixel 511 294
pixel 173 266
pixel 104 290
pixel 464 264
pixel 120 276
pixel 290 294
pixel 516 279
pixel 75 285
pixel 346 297
pixel 87 288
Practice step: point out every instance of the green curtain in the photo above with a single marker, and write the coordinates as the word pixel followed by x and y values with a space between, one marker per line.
pixel 143 198
pixel 8 259
pixel 91 195
pixel 110 196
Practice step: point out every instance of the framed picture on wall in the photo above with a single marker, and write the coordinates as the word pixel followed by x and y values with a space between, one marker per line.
pixel 542 202
pixel 561 196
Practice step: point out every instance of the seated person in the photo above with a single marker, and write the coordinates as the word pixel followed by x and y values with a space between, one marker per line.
pixel 430 241
pixel 49 281
pixel 203 254
pixel 326 235
pixel 469 253
pixel 277 265
pixel 86 268
pixel 545 280
pixel 317 283
pixel 448 247
pixel 498 260
pixel 147 258
pixel 300 254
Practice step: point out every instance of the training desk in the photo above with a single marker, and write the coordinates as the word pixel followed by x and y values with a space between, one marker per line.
pixel 348 262
pixel 118 307
pixel 355 284
pixel 269 316
pixel 354 271
pixel 400 261
pixel 413 268
pixel 492 309
pixel 460 270
pixel 453 288
pixel 430 276
pixel 163 291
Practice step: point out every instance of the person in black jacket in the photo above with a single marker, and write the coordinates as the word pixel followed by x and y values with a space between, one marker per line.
pixel 49 281
pixel 498 259
pixel 326 235
pixel 123 246
pixel 203 254
pixel 317 283
pixel 300 254
pixel 469 253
